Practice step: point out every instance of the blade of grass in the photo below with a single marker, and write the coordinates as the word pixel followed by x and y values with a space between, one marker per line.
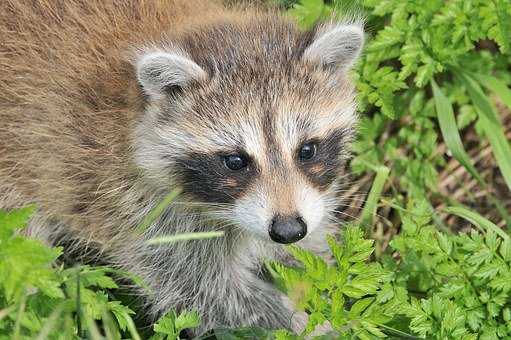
pixel 366 218
pixel 158 210
pixel 92 328
pixel 19 315
pixel 477 220
pixel 79 312
pixel 50 322
pixel 504 19
pixel 452 139
pixel 450 133
pixel 396 332
pixel 492 126
pixel 496 86
pixel 124 274
pixel 185 237
pixel 109 327
pixel 131 327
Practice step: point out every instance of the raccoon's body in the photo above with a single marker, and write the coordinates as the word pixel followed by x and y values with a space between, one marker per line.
pixel 105 106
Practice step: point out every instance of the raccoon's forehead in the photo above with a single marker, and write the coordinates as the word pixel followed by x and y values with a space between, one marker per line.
pixel 252 82
pixel 248 42
pixel 257 119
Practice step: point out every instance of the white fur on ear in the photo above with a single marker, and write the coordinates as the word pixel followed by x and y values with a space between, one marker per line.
pixel 336 45
pixel 159 70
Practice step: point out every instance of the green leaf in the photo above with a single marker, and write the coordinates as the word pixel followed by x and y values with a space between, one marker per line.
pixel 315 319
pixel 369 211
pixel 479 221
pixel 353 292
pixel 358 307
pixel 386 38
pixel 96 276
pixel 492 126
pixel 496 86
pixel 15 219
pixel 445 243
pixel 308 12
pixel 504 26
pixel 166 325
pixel 424 74
pixel 450 132
pixel 505 249
pixel 187 320
pixel 121 313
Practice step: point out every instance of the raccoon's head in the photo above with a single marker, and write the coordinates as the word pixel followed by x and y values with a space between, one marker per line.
pixel 252 120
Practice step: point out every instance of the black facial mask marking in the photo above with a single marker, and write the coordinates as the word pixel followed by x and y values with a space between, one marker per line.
pixel 324 167
pixel 206 177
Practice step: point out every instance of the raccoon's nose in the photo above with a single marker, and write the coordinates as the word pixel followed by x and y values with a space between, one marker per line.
pixel 287 229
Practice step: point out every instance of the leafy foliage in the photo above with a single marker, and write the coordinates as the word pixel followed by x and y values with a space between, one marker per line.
pixel 421 82
pixel 355 296
pixel 464 279
pixel 437 285
pixel 420 41
pixel 170 326
pixel 39 299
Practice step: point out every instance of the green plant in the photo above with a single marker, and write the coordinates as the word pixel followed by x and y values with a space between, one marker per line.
pixel 437 285
pixel 463 281
pixel 170 326
pixel 422 83
pixel 357 297
pixel 40 299
pixel 421 41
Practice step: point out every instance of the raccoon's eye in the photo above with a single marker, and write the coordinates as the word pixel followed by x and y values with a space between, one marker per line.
pixel 235 162
pixel 307 151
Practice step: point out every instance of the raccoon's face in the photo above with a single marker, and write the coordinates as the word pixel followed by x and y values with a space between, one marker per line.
pixel 253 123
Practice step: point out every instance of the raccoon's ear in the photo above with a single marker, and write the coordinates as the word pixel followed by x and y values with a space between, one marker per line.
pixel 158 72
pixel 336 45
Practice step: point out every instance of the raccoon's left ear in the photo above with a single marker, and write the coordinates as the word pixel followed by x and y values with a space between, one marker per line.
pixel 336 45
pixel 158 72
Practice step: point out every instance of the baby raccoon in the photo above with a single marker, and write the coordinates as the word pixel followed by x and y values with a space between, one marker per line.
pixel 107 105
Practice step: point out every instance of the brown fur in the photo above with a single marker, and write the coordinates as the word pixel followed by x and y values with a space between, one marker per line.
pixel 69 100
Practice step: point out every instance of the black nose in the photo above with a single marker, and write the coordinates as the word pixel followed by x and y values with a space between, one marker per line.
pixel 287 229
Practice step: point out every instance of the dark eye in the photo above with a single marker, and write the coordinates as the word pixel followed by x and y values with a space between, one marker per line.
pixel 307 151
pixel 235 162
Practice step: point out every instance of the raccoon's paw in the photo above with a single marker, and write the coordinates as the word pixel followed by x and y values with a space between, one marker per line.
pixel 299 321
pixel 323 329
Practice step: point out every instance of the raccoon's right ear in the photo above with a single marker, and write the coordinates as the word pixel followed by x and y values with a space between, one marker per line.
pixel 158 72
pixel 336 45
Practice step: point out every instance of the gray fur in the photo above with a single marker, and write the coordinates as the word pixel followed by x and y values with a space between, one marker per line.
pixel 157 70
pixel 336 44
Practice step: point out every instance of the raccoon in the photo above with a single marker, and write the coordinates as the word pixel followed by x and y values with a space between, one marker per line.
pixel 106 106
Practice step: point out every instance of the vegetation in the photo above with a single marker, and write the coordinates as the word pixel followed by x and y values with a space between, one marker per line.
pixel 40 300
pixel 423 258
pixel 428 81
